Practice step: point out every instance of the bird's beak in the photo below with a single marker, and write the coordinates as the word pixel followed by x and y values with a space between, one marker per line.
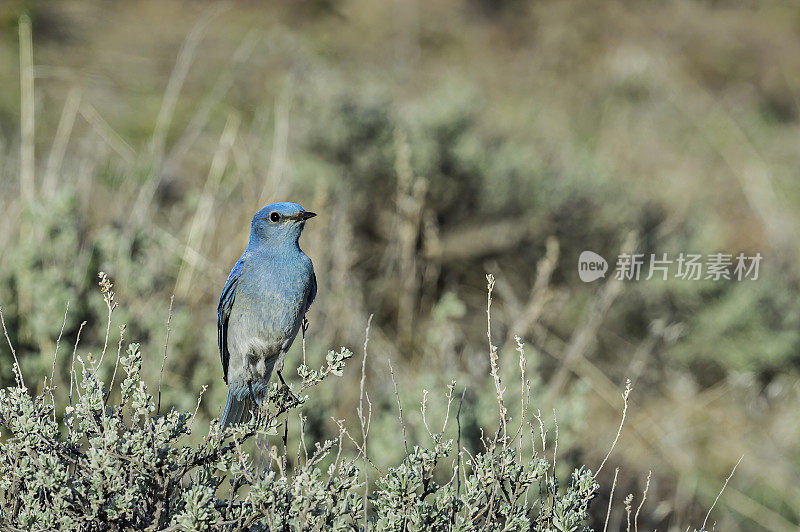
pixel 305 215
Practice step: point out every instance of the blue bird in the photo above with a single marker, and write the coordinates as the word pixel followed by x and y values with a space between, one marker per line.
pixel 262 306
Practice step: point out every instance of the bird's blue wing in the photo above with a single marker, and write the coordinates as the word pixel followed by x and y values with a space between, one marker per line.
pixel 312 291
pixel 226 299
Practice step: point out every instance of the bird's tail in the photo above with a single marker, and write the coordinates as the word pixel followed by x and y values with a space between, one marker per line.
pixel 237 409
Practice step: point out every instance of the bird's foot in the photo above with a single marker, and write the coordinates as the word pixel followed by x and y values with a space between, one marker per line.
pixel 288 389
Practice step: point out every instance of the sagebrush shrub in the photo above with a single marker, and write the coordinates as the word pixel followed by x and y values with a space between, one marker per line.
pixel 113 461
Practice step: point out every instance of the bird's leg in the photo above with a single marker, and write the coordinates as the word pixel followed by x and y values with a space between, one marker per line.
pixel 303 329
pixel 288 390
pixel 252 396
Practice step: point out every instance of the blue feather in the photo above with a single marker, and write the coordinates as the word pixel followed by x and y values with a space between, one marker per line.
pixel 226 299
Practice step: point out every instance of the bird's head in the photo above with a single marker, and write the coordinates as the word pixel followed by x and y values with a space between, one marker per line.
pixel 278 223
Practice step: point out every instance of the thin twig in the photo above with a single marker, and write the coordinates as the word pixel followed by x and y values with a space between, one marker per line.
pixel 357 446
pixel 555 446
pixel 18 369
pixel 72 376
pixel 628 501
pixel 164 360
pixel 55 357
pixel 302 443
pixel 335 464
pixel 423 408
pixel 523 364
pixel 106 287
pixel 493 357
pixel 644 498
pixel 543 434
pixel 116 364
pixel 399 405
pixel 55 353
pixel 611 499
pixel 197 408
pixel 458 448
pixel 364 428
pixel 625 395
pixel 449 396
pixel 720 492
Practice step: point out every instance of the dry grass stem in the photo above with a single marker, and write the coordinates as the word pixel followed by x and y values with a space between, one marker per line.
pixel 72 377
pixel 703 527
pixel 63 133
pixel 641 503
pixel 361 417
pixel 494 368
pixel 164 358
pixel 27 156
pixel 585 334
pixel 399 404
pixel 625 395
pixel 116 362
pixel 610 499
pixel 201 220
pixel 17 368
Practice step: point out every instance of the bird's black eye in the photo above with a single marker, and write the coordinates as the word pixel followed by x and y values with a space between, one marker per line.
pixel 274 217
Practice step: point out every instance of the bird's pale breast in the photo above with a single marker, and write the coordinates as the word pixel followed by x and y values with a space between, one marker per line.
pixel 266 316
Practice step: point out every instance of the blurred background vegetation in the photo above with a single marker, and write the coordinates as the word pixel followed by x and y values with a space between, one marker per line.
pixel 438 141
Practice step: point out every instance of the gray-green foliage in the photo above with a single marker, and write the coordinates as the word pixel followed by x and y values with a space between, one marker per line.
pixel 125 465
pixel 110 463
